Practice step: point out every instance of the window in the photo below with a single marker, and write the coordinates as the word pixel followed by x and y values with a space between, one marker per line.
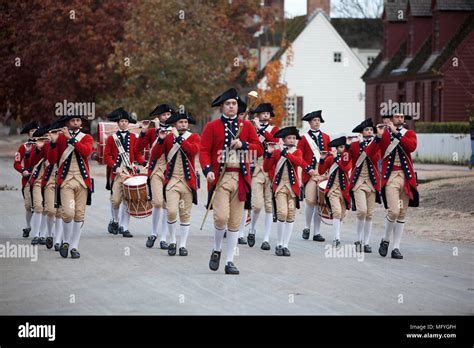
pixel 337 57
pixel 294 112
pixel 370 60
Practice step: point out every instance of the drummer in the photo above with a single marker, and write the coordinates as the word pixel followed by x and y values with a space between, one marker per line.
pixel 149 137
pixel 120 153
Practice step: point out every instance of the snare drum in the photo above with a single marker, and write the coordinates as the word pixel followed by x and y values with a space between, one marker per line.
pixel 136 196
pixel 323 209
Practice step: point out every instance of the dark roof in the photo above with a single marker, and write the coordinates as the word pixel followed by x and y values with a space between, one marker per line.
pixel 455 5
pixel 392 8
pixel 425 61
pixel 360 32
pixel 420 8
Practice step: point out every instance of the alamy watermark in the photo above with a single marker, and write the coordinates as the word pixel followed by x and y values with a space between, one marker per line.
pixel 67 108
pixel 406 108
pixel 346 251
pixel 25 251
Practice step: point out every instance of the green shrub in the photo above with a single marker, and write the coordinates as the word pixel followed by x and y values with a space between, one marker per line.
pixel 442 127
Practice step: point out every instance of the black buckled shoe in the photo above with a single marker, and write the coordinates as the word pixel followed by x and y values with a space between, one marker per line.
pixel 57 246
pixel 286 252
pixel 164 245
pixel 306 233
pixel 35 241
pixel 49 242
pixel 383 248
pixel 26 232
pixel 113 227
pixel 172 249
pixel 242 240
pixel 150 241
pixel 42 241
pixel 265 246
pixel 396 254
pixel 183 251
pixel 358 246
pixel 75 254
pixel 127 234
pixel 231 269
pixel 251 239
pixel 63 250
pixel 214 261
pixel 279 250
pixel 318 238
pixel 367 249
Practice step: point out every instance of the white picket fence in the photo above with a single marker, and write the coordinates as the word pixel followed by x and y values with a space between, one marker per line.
pixel 443 148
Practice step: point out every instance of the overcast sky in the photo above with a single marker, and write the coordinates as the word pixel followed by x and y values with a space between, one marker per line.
pixel 298 7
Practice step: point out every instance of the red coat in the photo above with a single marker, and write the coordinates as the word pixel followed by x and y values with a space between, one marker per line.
pixel 36 156
pixel 83 150
pixel 190 146
pixel 269 136
pixel 344 165
pixel 308 155
pixel 145 140
pixel 373 156
pixel 408 144
pixel 212 145
pixel 111 155
pixel 296 160
pixel 22 163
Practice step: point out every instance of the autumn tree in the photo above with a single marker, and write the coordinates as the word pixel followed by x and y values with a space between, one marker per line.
pixel 56 50
pixel 180 52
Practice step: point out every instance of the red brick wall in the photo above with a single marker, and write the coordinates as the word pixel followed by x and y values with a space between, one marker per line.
pixel 458 82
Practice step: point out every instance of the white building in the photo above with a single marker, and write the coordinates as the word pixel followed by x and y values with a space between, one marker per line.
pixel 325 74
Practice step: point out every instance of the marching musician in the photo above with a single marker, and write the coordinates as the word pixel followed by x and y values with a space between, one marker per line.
pixel 311 145
pixel 71 148
pixel 47 183
pixel 365 181
pixel 38 163
pixel 227 172
pixel 22 166
pixel 282 166
pixel 148 138
pixel 120 153
pixel 261 183
pixel 180 148
pixel 338 165
pixel 243 115
pixel 399 182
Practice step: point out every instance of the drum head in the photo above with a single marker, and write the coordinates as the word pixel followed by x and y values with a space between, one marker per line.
pixel 136 180
pixel 322 184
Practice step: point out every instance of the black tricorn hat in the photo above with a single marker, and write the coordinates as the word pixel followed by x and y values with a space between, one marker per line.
pixel 120 114
pixel 184 115
pixel 161 109
pixel 264 107
pixel 59 123
pixel 29 126
pixel 287 131
pixel 338 141
pixel 314 114
pixel 242 106
pixel 364 124
pixel 391 114
pixel 41 131
pixel 229 94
